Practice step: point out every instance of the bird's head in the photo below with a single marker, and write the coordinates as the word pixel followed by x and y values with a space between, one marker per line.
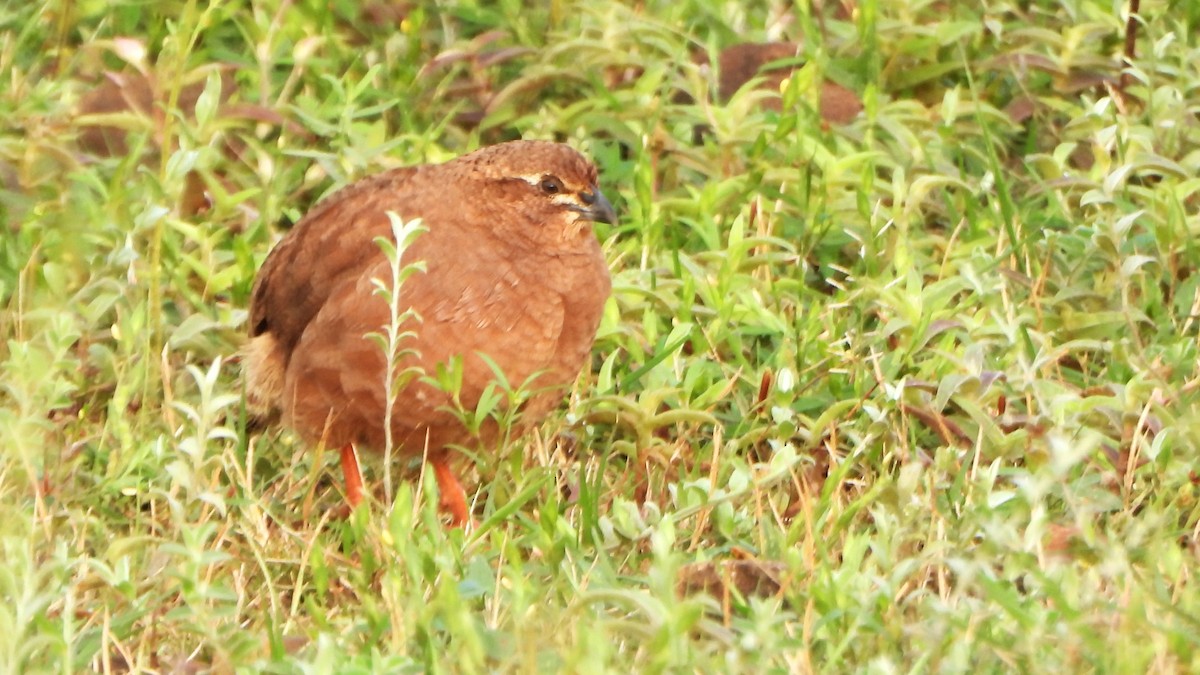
pixel 551 186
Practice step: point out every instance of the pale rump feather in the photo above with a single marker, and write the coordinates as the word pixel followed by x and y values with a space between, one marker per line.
pixel 264 366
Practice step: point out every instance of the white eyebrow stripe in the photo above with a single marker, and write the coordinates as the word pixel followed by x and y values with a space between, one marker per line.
pixel 532 178
pixel 567 196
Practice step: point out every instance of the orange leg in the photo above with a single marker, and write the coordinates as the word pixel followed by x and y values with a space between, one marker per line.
pixel 354 482
pixel 454 498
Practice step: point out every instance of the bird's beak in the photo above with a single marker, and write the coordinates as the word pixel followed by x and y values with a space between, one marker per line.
pixel 599 209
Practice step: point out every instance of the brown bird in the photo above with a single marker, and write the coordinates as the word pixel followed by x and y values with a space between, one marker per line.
pixel 740 63
pixel 512 272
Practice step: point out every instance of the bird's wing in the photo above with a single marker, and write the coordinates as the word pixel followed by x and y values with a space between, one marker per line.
pixel 466 309
pixel 322 250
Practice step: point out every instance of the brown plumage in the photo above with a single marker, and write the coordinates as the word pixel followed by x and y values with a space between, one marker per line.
pixel 512 270
pixel 740 63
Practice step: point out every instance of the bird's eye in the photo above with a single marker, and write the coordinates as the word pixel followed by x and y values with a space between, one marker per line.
pixel 551 185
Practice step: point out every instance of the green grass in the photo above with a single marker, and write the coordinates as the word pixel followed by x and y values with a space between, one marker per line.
pixel 935 369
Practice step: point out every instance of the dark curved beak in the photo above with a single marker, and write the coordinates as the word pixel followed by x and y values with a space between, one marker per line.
pixel 599 209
